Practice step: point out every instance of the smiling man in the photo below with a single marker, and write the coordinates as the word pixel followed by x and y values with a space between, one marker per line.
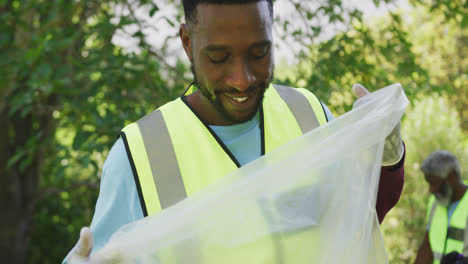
pixel 229 116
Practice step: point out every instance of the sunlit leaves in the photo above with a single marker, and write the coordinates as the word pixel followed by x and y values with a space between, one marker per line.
pixel 68 92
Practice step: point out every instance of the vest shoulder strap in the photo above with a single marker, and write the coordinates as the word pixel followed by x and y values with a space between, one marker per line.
pixel 431 209
pixel 465 239
pixel 437 229
pixel 305 106
pixel 461 221
pixel 150 150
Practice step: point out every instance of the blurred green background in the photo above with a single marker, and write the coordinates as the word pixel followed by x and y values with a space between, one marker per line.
pixel 73 73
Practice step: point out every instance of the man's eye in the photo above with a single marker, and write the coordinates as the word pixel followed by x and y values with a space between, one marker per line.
pixel 218 57
pixel 260 52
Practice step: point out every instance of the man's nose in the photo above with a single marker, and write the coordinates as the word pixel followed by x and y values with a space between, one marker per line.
pixel 241 77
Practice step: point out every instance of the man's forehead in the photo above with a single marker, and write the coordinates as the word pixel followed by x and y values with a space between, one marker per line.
pixel 431 177
pixel 253 15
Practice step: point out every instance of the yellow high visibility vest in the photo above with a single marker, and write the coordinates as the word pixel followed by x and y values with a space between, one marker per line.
pixel 446 238
pixel 173 154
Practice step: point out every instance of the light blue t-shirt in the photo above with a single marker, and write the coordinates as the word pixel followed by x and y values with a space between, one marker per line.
pixel 242 139
pixel 118 203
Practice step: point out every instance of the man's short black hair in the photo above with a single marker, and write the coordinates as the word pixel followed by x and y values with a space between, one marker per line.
pixel 190 7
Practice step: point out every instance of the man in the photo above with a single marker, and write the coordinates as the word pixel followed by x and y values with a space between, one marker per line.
pixel 447 210
pixel 229 116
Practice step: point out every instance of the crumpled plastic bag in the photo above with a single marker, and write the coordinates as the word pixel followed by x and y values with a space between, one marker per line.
pixel 309 201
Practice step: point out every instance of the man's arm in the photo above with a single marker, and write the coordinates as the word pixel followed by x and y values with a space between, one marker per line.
pixel 425 253
pixel 390 187
pixel 118 202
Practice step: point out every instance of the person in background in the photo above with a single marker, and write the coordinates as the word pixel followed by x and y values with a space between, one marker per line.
pixel 229 116
pixel 447 210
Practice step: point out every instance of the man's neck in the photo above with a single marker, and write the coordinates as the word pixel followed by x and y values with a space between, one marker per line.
pixel 207 113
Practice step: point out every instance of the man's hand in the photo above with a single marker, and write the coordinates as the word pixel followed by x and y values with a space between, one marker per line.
pixel 80 253
pixel 394 149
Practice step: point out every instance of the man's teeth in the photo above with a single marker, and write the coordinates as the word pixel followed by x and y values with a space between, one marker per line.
pixel 238 99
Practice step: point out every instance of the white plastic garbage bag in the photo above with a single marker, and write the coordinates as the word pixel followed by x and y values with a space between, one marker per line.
pixel 310 201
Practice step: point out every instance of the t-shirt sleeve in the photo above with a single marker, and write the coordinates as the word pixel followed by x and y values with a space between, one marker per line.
pixel 118 202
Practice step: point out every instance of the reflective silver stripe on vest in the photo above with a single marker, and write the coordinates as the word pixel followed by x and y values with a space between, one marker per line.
pixel 297 103
pixel 434 205
pixel 437 256
pixel 162 159
pixel 465 239
pixel 455 233
pixel 307 120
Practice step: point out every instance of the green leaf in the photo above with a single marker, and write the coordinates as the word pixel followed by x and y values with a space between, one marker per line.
pixel 153 10
pixel 138 34
pixel 125 21
pixel 169 21
pixel 44 71
pixel 26 110
pixel 25 163
pixel 13 160
pixel 80 138
pixel 464 22
pixel 4 39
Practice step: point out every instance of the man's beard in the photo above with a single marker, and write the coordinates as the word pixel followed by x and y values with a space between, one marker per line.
pixel 214 99
pixel 444 195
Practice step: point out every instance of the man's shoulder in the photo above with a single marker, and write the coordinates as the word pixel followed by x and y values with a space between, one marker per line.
pixel 291 93
pixel 283 86
pixel 117 158
pixel 165 107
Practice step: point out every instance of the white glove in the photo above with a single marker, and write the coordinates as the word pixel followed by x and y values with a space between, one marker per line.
pixel 80 253
pixel 394 149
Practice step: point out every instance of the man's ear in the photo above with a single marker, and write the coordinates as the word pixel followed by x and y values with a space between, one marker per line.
pixel 186 40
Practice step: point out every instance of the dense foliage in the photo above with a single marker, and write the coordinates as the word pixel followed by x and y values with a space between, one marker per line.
pixel 66 90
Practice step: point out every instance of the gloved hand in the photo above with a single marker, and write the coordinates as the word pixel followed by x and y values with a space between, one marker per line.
pixel 394 149
pixel 80 253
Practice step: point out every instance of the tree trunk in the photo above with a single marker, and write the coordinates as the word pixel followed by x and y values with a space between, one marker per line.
pixel 19 184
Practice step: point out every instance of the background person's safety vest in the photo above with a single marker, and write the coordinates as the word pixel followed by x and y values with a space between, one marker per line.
pixel 173 154
pixel 446 238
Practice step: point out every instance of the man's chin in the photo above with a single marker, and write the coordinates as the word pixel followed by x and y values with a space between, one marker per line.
pixel 242 118
pixel 443 201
